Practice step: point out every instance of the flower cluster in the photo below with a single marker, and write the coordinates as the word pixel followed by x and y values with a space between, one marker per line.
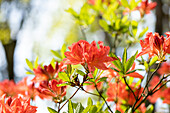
pixel 154 44
pixel 18 104
pixel 88 54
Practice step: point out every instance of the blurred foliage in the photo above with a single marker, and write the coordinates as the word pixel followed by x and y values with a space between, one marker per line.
pixel 4 33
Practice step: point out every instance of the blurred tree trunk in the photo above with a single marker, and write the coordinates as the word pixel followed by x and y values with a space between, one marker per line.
pixel 159 17
pixel 9 51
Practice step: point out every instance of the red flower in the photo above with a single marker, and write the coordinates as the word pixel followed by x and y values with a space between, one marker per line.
pixel 166 96
pixel 154 44
pixel 165 68
pixel 47 73
pixel 146 7
pixel 84 53
pixel 51 89
pixel 8 87
pixel 16 105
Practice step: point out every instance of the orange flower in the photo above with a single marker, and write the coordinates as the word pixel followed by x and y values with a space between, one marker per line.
pixel 156 95
pixel 28 90
pixel 16 105
pixel 165 68
pixel 47 73
pixel 166 96
pixel 154 44
pixel 8 87
pixel 84 53
pixel 51 89
pixel 146 7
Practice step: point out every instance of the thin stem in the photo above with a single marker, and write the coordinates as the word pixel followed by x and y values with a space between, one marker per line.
pixel 161 86
pixel 150 79
pixel 69 99
pixel 147 83
pixel 129 87
pixel 103 99
pixel 89 92
pixel 152 92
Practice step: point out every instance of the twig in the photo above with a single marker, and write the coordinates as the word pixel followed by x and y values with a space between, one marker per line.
pixel 69 99
pixel 129 87
pixel 103 99
pixel 89 92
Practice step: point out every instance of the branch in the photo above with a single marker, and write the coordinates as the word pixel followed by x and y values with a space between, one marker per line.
pixel 129 87
pixel 103 99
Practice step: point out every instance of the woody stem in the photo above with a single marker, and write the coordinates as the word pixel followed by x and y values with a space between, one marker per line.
pixel 103 99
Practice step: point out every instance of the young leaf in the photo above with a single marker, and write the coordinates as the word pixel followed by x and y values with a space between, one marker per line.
pixel 63 84
pixel 63 50
pixel 79 108
pixel 102 79
pixel 93 109
pixel 130 62
pixel 125 3
pixel 53 63
pixel 149 109
pixel 51 110
pixel 117 62
pixel 153 60
pixel 117 111
pixel 63 76
pixel 80 72
pixel 104 25
pixel 89 102
pixel 70 107
pixel 55 53
pixel 124 58
pixel 36 63
pixel 114 69
pixel 143 32
pixel 30 65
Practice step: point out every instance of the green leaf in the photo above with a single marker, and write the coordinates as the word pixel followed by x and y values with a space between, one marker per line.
pixel 51 110
pixel 146 65
pixel 114 69
pixel 124 58
pixel 117 62
pixel 137 83
pixel 149 109
pixel 85 84
pixel 130 62
pixel 30 65
pixel 104 25
pixel 131 71
pixel 55 53
pixel 36 63
pixel 102 79
pixel 70 107
pixel 86 110
pixel 93 109
pixel 63 50
pixel 70 10
pixel 79 108
pixel 143 32
pixel 153 60
pixel 63 84
pixel 89 102
pixel 130 80
pixel 125 3
pixel 63 76
pixel 117 111
pixel 80 72
pixel 53 63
